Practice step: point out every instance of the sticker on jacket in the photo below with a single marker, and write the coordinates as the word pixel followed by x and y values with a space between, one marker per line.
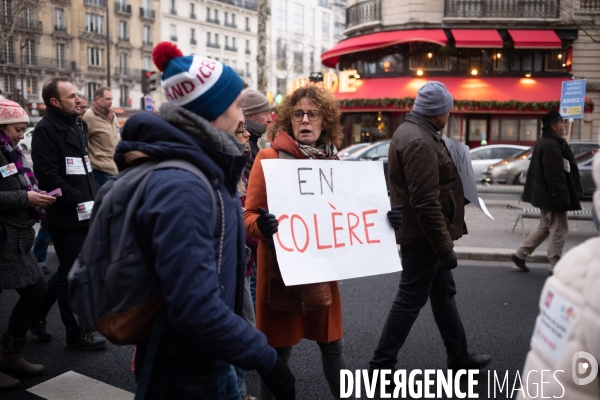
pixel 555 323
pixel 75 166
pixel 84 210
pixel 8 170
pixel 567 165
pixel 88 165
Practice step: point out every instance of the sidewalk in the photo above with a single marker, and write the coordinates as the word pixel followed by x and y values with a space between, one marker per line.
pixel 493 240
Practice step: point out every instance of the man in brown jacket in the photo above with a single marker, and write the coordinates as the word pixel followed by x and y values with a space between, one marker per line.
pixel 103 128
pixel 424 181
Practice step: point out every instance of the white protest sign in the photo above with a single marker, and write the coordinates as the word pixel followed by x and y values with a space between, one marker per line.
pixel 555 324
pixel 461 156
pixel 332 220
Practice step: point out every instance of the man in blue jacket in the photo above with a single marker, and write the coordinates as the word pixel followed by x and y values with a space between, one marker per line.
pixel 201 271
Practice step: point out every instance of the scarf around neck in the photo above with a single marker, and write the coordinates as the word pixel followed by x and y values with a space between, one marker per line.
pixel 24 172
pixel 101 111
pixel 284 142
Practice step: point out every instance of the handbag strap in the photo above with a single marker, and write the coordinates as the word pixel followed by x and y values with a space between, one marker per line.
pixel 151 353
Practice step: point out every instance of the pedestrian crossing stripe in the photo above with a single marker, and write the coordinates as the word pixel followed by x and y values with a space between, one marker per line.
pixel 74 386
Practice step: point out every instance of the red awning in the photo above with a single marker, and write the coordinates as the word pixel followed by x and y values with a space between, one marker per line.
pixel 522 90
pixel 532 39
pixel 477 38
pixel 381 39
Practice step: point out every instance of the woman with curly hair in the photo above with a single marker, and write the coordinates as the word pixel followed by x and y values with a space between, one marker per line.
pixel 307 127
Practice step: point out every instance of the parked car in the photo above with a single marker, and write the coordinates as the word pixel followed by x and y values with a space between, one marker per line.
pixel 373 152
pixel 484 156
pixel 345 152
pixel 25 144
pixel 509 171
pixel 582 146
pixel 584 163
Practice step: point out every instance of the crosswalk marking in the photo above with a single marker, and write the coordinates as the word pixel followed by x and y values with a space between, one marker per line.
pixel 74 386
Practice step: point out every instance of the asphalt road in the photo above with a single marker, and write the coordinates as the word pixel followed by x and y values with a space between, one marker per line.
pixel 497 303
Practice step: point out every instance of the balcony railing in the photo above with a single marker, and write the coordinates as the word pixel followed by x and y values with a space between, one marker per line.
pixel 589 5
pixel 119 71
pixel 501 9
pixel 43 63
pixel 231 48
pixel 147 43
pixel 97 3
pixel 193 41
pixel 213 45
pixel 192 16
pixel 324 3
pixel 147 13
pixel 24 24
pixel 212 21
pixel 122 8
pixel 363 12
pixel 123 39
pixel 231 25
pixel 247 4
pixel 96 69
pixel 60 28
pixel 248 51
pixel 173 11
pixel 173 38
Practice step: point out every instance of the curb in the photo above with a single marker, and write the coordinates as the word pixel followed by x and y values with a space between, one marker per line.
pixel 495 254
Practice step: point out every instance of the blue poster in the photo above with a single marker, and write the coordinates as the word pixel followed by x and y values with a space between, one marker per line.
pixel 572 99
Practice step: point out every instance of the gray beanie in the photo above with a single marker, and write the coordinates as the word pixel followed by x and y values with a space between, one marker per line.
pixel 433 100
pixel 254 102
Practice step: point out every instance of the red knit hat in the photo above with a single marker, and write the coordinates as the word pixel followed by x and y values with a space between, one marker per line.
pixel 12 113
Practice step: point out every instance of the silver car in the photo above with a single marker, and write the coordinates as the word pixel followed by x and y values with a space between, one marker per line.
pixel 484 156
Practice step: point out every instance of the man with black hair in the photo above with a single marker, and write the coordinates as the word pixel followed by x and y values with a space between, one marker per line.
pixel 554 185
pixel 61 161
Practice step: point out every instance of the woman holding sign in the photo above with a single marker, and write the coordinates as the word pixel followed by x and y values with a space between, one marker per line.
pixel 21 206
pixel 307 127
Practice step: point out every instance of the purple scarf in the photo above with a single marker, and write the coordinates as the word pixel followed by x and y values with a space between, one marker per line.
pixel 24 173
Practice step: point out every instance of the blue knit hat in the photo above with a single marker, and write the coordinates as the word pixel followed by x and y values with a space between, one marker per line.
pixel 201 85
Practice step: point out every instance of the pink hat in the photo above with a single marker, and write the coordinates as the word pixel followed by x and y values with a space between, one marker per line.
pixel 12 113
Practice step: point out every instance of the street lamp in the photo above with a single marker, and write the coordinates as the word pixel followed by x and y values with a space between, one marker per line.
pixel 34 36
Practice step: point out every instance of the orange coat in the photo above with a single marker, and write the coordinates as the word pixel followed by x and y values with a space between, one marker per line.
pixel 284 328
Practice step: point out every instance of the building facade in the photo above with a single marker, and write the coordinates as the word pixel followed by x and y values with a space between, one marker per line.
pixel 88 41
pixel 298 33
pixel 221 29
pixel 503 61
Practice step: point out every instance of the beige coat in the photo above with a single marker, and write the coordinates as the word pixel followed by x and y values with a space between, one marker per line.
pixel 104 136
pixel 576 279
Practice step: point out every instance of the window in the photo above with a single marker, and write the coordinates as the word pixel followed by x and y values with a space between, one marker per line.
pixel 193 36
pixel 281 86
pixel 123 30
pixel 509 129
pixel 298 18
pixel 248 47
pixel 226 18
pixel 233 21
pixel 311 22
pixel 248 70
pixel 173 32
pixel 226 41
pixel 172 9
pixel 60 56
pixel 9 84
pixel 8 53
pixel 192 11
pixel 217 16
pixel 90 89
pixel 59 19
pixel 208 38
pixel 504 152
pixel 528 129
pixel 325 25
pixel 483 154
pixel 298 51
pixel 123 63
pixel 281 54
pixel 30 56
pixel 281 15
pixel 208 13
pixel 147 35
pixel 94 23
pixel 311 58
pixel 217 39
pixel 95 56
pixel 124 96
pixel 247 24
pixel 233 43
pixel 147 62
pixel 31 83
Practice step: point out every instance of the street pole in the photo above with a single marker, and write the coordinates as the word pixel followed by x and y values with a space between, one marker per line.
pixel 107 46
pixel 569 130
pixel 22 92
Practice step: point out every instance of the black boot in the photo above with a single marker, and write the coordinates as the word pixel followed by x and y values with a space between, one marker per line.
pixel 38 328
pixel 520 263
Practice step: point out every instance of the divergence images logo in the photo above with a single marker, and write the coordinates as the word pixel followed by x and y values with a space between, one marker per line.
pixel 584 368
pixel 567 313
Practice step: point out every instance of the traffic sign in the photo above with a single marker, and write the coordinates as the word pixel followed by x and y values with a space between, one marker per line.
pixel 148 103
pixel 572 99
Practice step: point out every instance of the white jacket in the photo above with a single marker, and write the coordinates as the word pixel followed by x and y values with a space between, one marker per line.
pixel 576 284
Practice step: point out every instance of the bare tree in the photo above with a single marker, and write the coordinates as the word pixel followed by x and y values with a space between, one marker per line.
pixel 582 14
pixel 13 15
pixel 261 57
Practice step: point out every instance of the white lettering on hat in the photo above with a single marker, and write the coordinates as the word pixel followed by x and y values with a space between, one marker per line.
pixel 186 86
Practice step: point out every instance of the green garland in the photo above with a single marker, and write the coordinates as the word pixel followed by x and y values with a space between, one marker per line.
pixel 408 102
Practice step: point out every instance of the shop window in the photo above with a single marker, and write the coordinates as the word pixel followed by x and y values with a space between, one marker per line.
pixel 390 64
pixel 427 58
pixel 454 128
pixel 528 129
pixel 509 129
pixel 370 127
pixel 477 130
pixel 494 130
pixel 556 61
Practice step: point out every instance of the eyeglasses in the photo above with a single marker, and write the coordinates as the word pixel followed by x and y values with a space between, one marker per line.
pixel 298 115
pixel 240 130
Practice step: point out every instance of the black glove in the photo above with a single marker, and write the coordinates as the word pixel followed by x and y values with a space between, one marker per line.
pixel 395 217
pixel 281 381
pixel 267 223
pixel 448 261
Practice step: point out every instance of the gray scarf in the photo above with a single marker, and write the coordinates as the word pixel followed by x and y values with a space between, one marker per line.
pixel 197 126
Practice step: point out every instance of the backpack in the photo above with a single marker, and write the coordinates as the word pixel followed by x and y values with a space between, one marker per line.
pixel 112 287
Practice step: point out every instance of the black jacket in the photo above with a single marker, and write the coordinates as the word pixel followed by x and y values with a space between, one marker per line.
pixel 549 185
pixel 56 140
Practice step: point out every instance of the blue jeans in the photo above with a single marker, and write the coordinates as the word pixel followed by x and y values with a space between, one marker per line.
pixel 219 385
pixel 68 244
pixel 40 248
pixel 100 177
